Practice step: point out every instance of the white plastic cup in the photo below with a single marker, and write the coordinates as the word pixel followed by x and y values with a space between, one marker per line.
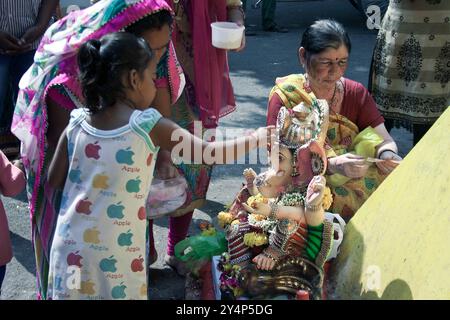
pixel 227 35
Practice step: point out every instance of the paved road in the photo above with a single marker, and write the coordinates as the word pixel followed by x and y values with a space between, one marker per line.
pixel 253 72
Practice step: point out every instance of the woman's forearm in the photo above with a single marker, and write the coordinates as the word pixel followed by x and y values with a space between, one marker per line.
pixel 388 142
pixel 387 145
pixel 236 15
pixel 46 11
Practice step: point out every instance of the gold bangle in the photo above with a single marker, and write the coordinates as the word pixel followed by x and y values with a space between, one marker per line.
pixel 268 255
pixel 273 211
pixel 234 3
pixel 314 208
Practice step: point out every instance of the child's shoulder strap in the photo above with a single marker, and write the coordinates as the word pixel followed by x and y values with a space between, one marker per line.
pixel 142 123
pixel 76 117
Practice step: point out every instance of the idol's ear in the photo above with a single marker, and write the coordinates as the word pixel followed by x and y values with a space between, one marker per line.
pixel 318 158
pixel 311 161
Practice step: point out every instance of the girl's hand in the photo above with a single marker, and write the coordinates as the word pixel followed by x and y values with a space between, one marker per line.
pixel 164 168
pixel 392 161
pixel 264 135
pixel 349 165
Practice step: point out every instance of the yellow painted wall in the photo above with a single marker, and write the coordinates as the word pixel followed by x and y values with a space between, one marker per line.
pixel 398 244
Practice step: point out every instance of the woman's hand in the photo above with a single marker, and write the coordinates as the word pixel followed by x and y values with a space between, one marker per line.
pixel 236 15
pixel 242 44
pixel 392 161
pixel 349 165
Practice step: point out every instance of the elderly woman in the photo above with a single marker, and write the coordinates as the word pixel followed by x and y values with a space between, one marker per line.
pixel 324 54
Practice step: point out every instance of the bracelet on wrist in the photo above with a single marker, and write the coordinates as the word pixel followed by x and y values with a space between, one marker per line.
pixel 273 211
pixel 379 155
pixel 239 8
pixel 313 208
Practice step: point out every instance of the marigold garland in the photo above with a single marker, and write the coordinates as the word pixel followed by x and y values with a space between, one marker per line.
pixel 256 199
pixel 225 218
pixel 254 239
pixel 327 199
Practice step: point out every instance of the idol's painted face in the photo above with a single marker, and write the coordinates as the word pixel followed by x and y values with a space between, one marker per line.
pixel 274 181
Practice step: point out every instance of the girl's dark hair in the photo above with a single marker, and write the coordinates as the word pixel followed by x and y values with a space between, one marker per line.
pixel 324 34
pixel 102 64
pixel 152 22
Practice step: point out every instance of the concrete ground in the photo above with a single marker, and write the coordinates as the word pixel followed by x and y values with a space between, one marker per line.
pixel 253 71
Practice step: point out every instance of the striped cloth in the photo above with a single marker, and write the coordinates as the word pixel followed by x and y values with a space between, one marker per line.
pixel 410 70
pixel 17 16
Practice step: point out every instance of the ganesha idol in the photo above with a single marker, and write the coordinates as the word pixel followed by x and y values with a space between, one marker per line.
pixel 279 235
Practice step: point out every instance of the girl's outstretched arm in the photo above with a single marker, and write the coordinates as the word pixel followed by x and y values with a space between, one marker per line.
pixel 57 171
pixel 192 149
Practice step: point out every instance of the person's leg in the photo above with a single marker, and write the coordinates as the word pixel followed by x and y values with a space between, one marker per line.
pixel 153 254
pixel 419 130
pixel 268 16
pixel 268 13
pixel 5 63
pixel 389 124
pixel 19 66
pixel 244 5
pixel 2 276
pixel 178 230
pixel 248 29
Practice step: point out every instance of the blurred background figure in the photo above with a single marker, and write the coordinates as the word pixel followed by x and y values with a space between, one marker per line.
pixel 410 67
pixel 268 8
pixel 22 24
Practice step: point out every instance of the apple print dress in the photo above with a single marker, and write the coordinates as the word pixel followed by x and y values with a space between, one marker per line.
pixel 98 250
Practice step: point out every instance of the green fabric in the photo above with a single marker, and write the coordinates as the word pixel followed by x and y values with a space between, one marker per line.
pixel 314 241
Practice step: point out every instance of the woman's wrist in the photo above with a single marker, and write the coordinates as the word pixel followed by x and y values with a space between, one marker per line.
pixel 236 13
pixel 331 166
pixel 380 153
